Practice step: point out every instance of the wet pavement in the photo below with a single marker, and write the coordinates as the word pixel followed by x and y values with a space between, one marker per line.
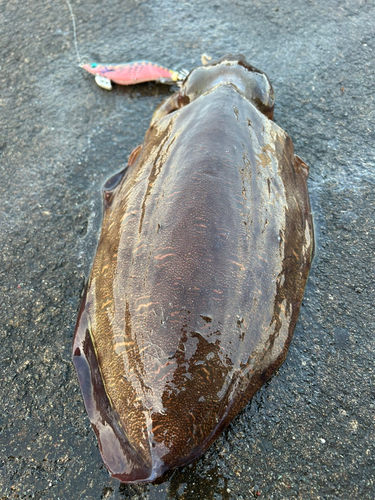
pixel 309 433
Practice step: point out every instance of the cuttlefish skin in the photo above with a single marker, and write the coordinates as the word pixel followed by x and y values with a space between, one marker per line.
pixel 196 286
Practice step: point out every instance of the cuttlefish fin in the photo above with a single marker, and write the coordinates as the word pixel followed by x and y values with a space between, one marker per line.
pixel 113 182
pixel 134 155
pixel 301 166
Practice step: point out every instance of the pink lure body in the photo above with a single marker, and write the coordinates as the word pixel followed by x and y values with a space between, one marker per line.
pixel 133 72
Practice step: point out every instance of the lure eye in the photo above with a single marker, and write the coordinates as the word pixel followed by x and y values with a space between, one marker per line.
pixel 93 65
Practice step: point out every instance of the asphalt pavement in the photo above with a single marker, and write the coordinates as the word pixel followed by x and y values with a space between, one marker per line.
pixel 310 432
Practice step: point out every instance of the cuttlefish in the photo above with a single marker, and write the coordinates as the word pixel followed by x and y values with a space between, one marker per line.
pixel 194 293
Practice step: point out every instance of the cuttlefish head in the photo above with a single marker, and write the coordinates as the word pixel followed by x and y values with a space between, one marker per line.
pixel 233 70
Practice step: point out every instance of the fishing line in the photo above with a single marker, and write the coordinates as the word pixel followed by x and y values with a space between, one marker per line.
pixel 74 31
pixel 128 73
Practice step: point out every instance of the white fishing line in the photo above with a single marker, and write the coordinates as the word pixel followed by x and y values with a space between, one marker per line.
pixel 74 31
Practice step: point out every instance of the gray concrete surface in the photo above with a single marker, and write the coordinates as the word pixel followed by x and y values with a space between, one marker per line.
pixel 309 433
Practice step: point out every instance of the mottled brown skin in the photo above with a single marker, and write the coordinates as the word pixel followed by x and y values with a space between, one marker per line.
pixel 197 282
